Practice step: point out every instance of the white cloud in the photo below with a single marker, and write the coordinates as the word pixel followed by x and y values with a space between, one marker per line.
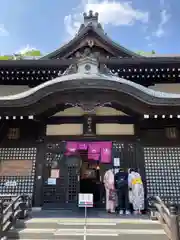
pixel 3 31
pixel 25 49
pixel 110 13
pixel 165 16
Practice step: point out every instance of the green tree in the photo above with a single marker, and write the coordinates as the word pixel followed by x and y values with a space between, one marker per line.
pixel 32 53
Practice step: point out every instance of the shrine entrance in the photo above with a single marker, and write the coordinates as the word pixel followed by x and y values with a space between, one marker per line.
pixel 67 173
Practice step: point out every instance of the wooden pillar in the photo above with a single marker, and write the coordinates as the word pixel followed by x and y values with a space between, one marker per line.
pixel 38 190
pixel 3 131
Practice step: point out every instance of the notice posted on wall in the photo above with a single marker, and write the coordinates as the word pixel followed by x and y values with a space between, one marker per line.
pixel 116 162
pixel 55 173
pixel 51 181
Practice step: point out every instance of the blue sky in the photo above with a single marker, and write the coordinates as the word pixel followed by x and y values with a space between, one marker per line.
pixel 46 25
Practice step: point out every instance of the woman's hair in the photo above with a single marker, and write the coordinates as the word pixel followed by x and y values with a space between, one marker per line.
pixel 133 170
pixel 121 169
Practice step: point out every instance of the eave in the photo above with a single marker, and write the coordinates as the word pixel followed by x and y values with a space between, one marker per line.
pixel 142 60
pixel 35 63
pixel 57 63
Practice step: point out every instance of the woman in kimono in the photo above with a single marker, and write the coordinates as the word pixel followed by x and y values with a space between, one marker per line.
pixel 137 191
pixel 109 187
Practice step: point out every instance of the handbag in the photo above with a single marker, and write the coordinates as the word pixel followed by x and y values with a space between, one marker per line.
pixel 112 195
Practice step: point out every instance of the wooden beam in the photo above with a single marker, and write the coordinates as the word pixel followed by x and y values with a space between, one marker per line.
pixel 97 119
pixel 159 123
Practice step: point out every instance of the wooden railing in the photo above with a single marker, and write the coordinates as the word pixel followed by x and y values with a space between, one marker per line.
pixel 167 215
pixel 18 208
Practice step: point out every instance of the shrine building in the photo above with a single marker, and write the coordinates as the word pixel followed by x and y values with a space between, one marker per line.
pixel 89 106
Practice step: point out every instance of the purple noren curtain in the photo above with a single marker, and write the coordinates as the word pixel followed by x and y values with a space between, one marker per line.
pixel 106 152
pixel 96 150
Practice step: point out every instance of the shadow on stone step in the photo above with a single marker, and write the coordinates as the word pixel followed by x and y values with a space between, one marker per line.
pixel 14 232
pixel 79 213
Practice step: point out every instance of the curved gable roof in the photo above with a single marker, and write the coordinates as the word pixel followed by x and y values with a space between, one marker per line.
pixel 87 81
pixel 88 75
pixel 154 95
pixel 93 89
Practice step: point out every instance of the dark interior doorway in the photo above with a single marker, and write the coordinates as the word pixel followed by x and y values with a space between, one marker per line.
pixel 91 179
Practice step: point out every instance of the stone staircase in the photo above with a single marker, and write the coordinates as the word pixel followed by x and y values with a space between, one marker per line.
pixel 114 228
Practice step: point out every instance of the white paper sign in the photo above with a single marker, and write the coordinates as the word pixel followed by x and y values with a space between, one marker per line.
pixel 85 200
pixel 51 181
pixel 116 162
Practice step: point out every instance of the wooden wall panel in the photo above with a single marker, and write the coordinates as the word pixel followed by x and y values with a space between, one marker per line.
pixel 114 129
pixel 169 88
pixel 64 129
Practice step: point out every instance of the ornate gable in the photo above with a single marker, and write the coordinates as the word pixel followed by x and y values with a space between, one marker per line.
pixel 91 40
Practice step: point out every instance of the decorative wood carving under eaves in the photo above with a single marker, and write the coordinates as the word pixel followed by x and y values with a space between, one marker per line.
pixel 88 65
pixel 94 52
pixel 88 106
pixel 90 47
pixel 87 52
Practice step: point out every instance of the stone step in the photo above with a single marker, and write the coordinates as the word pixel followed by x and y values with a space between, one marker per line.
pixel 92 220
pixel 74 234
pixel 59 224
pixel 122 237
pixel 100 228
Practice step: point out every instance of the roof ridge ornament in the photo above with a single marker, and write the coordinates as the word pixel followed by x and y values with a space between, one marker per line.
pixel 91 18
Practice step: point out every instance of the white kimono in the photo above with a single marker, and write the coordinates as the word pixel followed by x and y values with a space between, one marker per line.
pixel 109 184
pixel 137 193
